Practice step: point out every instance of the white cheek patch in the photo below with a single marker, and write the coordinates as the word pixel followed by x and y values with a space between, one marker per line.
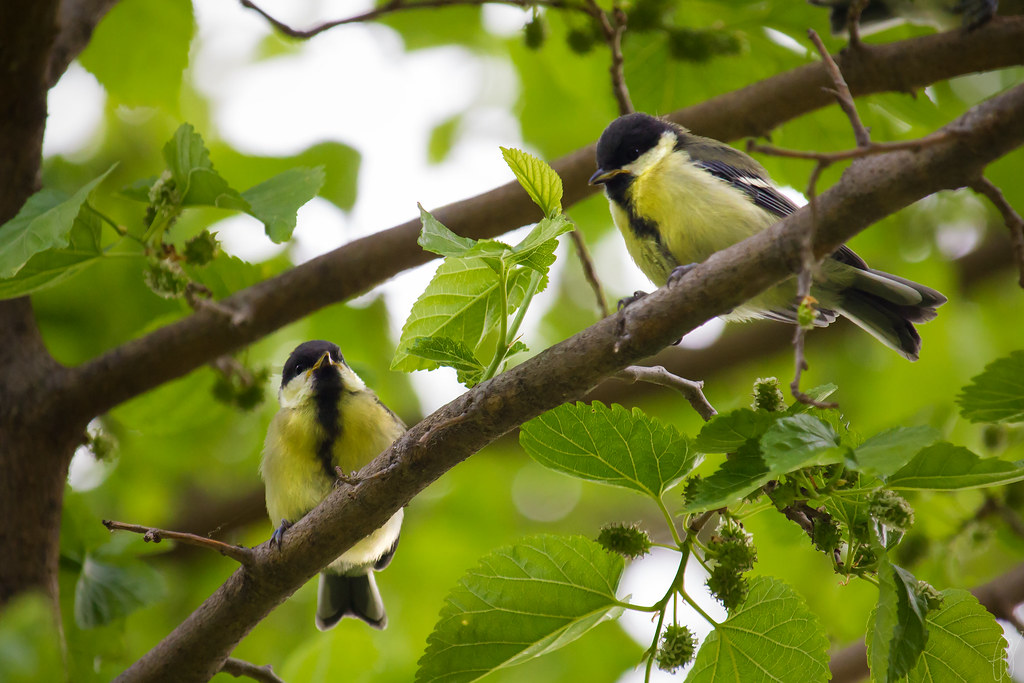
pixel 349 379
pixel 297 391
pixel 666 143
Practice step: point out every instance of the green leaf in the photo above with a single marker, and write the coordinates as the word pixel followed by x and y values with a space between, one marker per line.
pixel 610 446
pixel 53 266
pixel 997 394
pixel 523 601
pixel 944 466
pixel 44 222
pixel 538 179
pixel 437 238
pixel 738 476
pixel 965 643
pixel 340 163
pixel 798 441
pixel 442 139
pixel 725 433
pixel 139 51
pixel 106 591
pixel 276 201
pixel 773 636
pixel 462 302
pixel 450 353
pixel 226 274
pixel 788 443
pixel 196 182
pixel 537 250
pixel 883 620
pixel 30 644
pixel 819 393
pixel 884 453
pixel 897 632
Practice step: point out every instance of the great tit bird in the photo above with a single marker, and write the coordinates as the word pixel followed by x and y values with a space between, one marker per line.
pixel 942 15
pixel 328 418
pixel 677 198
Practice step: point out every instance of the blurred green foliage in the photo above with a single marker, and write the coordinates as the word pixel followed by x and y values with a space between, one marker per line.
pixel 183 456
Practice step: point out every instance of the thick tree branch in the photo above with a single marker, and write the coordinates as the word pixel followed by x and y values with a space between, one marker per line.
pixel 77 19
pixel 31 474
pixel 172 351
pixel 870 189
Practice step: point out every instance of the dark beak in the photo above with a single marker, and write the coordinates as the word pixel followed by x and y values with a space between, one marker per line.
pixel 602 176
pixel 326 357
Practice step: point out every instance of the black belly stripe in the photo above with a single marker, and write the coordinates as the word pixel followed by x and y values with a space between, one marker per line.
pixel 328 391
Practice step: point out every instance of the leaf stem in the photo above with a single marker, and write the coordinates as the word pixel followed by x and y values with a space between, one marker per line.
pixel 531 290
pixel 106 219
pixel 752 510
pixel 692 603
pixel 502 348
pixel 671 523
pixel 507 333
pixel 653 651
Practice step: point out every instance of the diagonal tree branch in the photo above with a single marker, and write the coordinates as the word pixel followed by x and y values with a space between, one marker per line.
pixel 870 189
pixel 172 351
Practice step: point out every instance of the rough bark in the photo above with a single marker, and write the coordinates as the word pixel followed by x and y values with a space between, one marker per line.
pixel 31 474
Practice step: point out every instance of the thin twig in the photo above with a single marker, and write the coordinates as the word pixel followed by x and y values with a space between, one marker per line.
pixel 200 297
pixel 588 270
pixel 692 391
pixel 808 262
pixel 697 524
pixel 842 91
pixel 857 153
pixel 612 29
pixel 240 554
pixel 1014 222
pixel 853 21
pixel 399 5
pixel 240 667
pixel 825 159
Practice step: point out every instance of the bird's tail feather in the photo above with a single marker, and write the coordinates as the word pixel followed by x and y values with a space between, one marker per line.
pixel 887 306
pixel 342 596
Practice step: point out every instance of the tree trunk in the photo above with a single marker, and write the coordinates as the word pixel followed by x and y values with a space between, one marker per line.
pixel 36 443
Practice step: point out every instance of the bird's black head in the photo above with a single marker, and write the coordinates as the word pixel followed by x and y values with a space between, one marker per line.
pixel 624 140
pixel 305 357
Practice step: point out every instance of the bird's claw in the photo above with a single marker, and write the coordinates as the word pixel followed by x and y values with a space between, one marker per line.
pixel 679 272
pixel 278 536
pixel 626 301
pixel 346 478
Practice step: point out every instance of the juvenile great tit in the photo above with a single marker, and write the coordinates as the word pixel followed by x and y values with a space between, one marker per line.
pixel 677 198
pixel 942 15
pixel 328 418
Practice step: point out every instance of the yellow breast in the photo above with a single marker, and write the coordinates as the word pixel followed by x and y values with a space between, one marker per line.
pixel 696 214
